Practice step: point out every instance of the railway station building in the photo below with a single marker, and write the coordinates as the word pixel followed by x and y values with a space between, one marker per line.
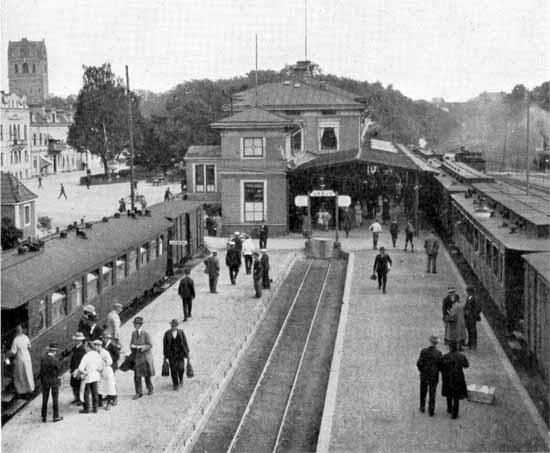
pixel 18 204
pixel 281 139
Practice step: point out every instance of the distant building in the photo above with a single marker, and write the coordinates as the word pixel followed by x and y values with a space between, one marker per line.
pixel 18 204
pixel 28 70
pixel 15 153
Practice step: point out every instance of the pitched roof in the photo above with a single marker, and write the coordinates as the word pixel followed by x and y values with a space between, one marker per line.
pixel 203 151
pixel 13 191
pixel 308 93
pixel 254 117
pixel 69 258
pixel 541 263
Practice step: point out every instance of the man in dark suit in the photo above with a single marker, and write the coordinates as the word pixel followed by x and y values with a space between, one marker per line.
pixel 140 345
pixel 186 290
pixel 472 314
pixel 431 245
pixel 77 352
pixel 264 232
pixel 382 265
pixel 233 261
pixel 429 365
pixel 257 274
pixel 175 352
pixel 213 270
pixel 96 332
pixel 49 379
pixel 86 320
pixel 454 382
pixel 266 281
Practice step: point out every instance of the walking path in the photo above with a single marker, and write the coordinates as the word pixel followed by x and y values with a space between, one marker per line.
pixel 377 399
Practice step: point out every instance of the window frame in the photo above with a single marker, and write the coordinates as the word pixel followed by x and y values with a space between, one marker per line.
pixel 204 188
pixel 243 147
pixel 325 124
pixel 58 307
pixel 27 208
pixel 301 148
pixel 243 184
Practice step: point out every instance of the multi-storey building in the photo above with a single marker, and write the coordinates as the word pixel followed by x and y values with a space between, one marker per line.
pixel 28 70
pixel 15 153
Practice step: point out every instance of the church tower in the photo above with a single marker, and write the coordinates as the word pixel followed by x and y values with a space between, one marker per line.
pixel 28 70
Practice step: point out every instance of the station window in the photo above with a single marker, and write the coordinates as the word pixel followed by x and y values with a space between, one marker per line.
pixel 76 294
pixel 25 68
pixel 143 255
pixel 27 214
pixel 296 141
pixel 131 262
pixel 205 178
pixel 107 273
pixel 253 147
pixel 92 285
pixel 41 318
pixel 120 268
pixel 58 306
pixel 254 203
pixel 160 246
pixel 328 136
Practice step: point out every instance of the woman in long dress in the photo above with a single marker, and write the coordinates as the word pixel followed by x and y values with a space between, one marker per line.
pixel 457 324
pixel 22 372
pixel 107 384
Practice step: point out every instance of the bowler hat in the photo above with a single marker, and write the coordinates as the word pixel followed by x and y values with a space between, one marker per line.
pixel 451 289
pixel 79 336
pixel 382 248
pixel 174 323
pixel 118 306
pixel 434 339
pixel 97 342
pixel 90 309
pixel 138 320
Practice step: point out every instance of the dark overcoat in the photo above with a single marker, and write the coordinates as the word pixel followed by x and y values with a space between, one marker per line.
pixel 429 364
pixel 113 348
pixel 212 265
pixel 77 353
pixel 186 289
pixel 257 270
pixel 49 371
pixel 452 373
pixel 143 358
pixel 472 310
pixel 175 349
pixel 233 258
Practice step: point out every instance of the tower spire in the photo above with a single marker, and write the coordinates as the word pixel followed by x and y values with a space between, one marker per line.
pixel 305 29
pixel 256 74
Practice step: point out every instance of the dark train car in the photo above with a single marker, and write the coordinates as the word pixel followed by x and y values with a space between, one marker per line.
pixel 536 310
pixel 116 260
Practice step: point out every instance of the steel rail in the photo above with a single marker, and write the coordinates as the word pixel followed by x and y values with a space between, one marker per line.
pixel 268 361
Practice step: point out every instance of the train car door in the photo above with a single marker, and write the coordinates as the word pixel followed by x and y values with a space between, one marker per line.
pixel 188 234
pixel 170 253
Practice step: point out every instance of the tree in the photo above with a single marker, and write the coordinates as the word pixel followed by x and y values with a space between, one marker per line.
pixel 101 116
pixel 10 234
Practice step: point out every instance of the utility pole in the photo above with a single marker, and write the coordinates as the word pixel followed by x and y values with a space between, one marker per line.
pixel 305 30
pixel 131 130
pixel 256 74
pixel 527 143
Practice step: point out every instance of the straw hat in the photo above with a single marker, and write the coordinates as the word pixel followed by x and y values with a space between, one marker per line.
pixel 79 336
pixel 434 339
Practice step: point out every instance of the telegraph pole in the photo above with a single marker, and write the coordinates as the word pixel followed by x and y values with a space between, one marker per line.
pixel 131 130
pixel 527 143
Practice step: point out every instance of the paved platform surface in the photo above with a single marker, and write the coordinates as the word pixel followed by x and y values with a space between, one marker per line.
pixel 377 400
pixel 218 326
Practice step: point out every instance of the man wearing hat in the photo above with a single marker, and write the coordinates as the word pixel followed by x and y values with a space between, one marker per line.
pixel 77 352
pixel 90 369
pixel 175 350
pixel 238 242
pixel 382 265
pixel 264 232
pixel 186 290
pixel 472 315
pixel 49 380
pixel 448 301
pixel 266 281
pixel 86 320
pixel 213 270
pixel 112 346
pixel 453 381
pixel 233 261
pixel 431 245
pixel 257 274
pixel 248 249
pixel 113 321
pixel 429 365
pixel 141 345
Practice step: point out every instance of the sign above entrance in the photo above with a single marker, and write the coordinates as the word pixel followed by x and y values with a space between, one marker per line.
pixel 322 193
pixel 177 242
pixel 344 201
pixel 300 201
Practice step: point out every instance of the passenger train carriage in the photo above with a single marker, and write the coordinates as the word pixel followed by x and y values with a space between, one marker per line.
pixel 114 260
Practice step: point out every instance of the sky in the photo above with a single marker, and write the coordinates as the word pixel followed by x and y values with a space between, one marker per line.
pixel 453 49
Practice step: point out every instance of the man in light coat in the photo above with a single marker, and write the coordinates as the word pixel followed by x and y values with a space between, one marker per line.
pixel 90 369
pixel 113 321
pixel 431 245
pixel 140 345
pixel 248 249
pixel 376 228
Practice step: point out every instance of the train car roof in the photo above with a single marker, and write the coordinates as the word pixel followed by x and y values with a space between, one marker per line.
pixel 465 173
pixel 532 208
pixel 540 262
pixel 450 183
pixel 31 274
pixel 493 225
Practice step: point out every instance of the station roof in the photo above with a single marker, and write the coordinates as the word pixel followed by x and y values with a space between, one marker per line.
pixel 24 276
pixel 203 151
pixel 254 117
pixel 518 240
pixel 13 191
pixel 305 94
pixel 373 152
pixel 465 173
pixel 450 183
pixel 540 262
pixel 533 208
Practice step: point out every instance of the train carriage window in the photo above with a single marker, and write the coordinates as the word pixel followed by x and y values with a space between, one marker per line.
pixel 41 320
pixel 58 306
pixel 76 294
pixel 92 285
pixel 476 240
pixel 120 268
pixel 143 255
pixel 107 272
pixel 494 261
pixel 488 247
pixel 153 250
pixel 482 240
pixel 132 262
pixel 160 246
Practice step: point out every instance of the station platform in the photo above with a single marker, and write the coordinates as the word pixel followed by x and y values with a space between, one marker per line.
pixel 376 390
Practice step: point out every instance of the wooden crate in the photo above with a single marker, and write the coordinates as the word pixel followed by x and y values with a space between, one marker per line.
pixel 481 393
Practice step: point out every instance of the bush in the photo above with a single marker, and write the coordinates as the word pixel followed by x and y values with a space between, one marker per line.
pixel 10 234
pixel 45 222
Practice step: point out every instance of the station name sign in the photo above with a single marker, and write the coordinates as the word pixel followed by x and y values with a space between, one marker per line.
pixel 177 242
pixel 322 193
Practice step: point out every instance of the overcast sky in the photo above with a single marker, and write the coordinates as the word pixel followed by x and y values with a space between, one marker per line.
pixel 426 48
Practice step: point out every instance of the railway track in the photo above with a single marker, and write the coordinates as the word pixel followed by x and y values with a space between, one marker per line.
pixel 538 190
pixel 274 401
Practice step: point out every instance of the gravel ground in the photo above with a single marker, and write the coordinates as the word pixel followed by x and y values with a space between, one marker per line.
pixel 218 326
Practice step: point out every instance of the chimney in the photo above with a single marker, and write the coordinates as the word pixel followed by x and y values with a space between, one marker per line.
pixel 303 70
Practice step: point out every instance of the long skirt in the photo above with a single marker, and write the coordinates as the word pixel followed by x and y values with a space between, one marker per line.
pixel 107 383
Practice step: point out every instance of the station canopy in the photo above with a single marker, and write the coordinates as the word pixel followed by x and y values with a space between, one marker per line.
pixel 372 152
